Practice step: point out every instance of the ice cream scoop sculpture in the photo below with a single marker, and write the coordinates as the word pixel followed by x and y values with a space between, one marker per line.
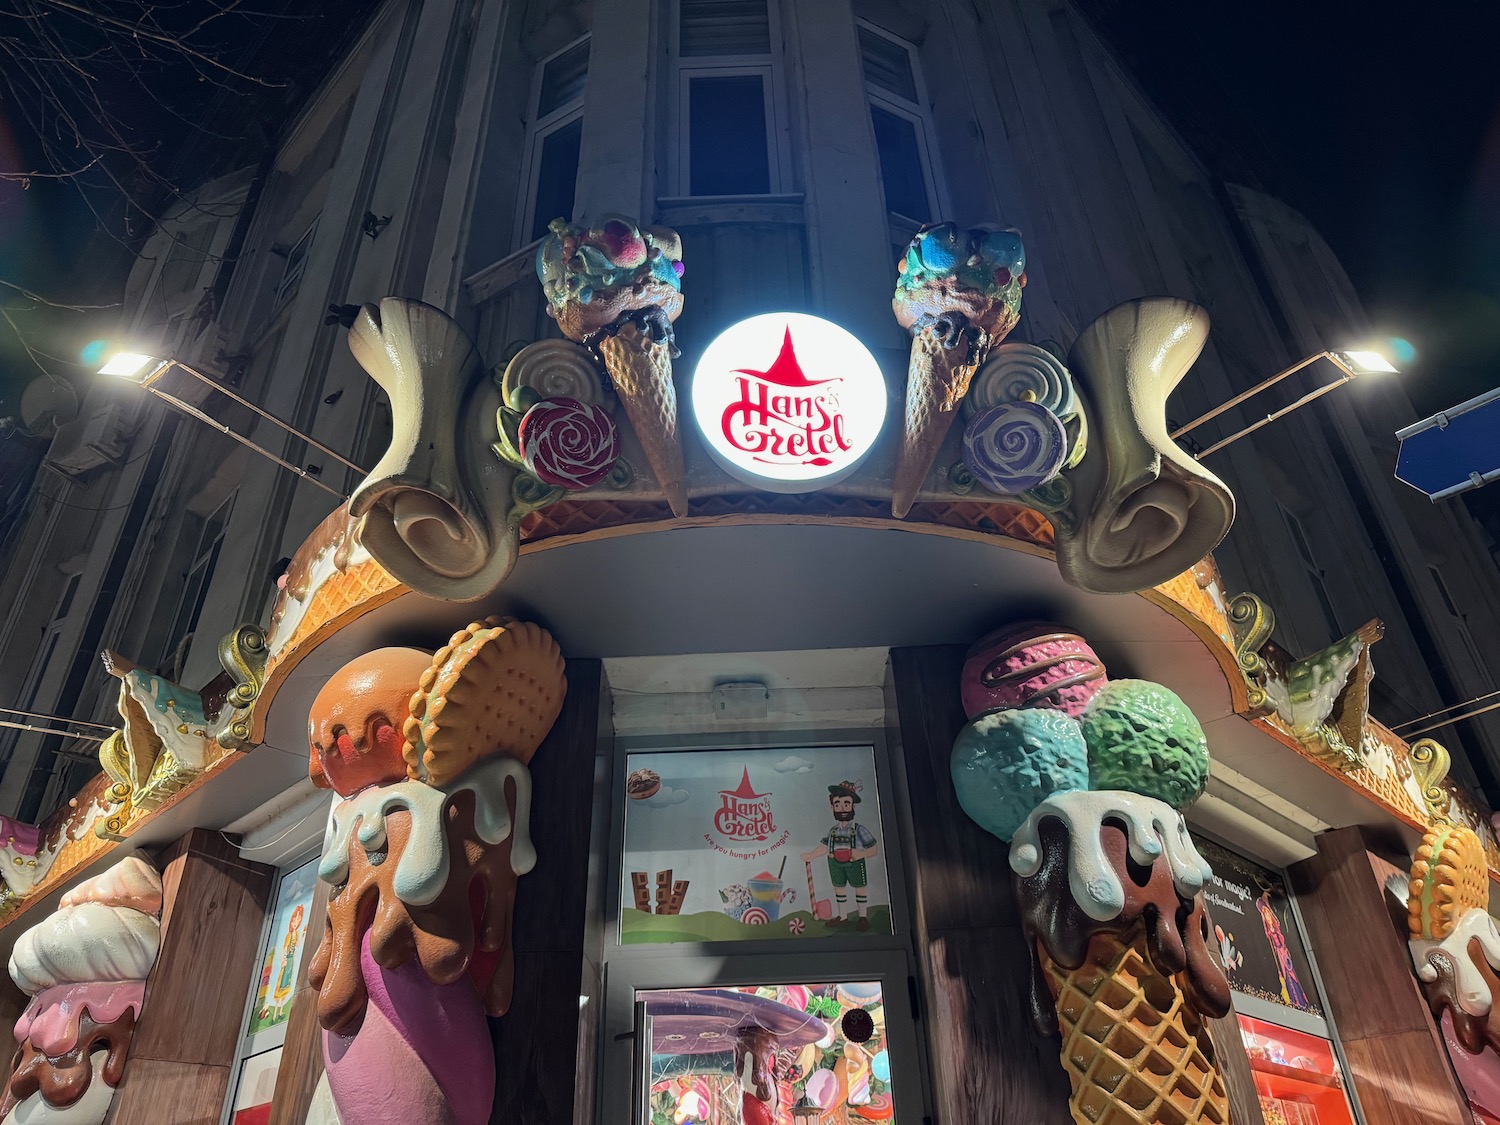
pixel 428 754
pixel 617 288
pixel 85 970
pixel 958 293
pixel 1454 943
pixel 1087 777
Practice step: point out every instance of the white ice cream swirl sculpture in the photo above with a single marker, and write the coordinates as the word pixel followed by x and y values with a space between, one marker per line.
pixel 85 969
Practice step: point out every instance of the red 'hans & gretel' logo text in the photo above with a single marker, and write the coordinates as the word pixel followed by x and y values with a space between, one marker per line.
pixel 743 813
pixel 784 418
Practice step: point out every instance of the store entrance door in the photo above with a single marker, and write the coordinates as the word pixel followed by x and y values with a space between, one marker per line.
pixel 756 1047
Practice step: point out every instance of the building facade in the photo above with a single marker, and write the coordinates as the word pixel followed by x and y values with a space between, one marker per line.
pixel 796 149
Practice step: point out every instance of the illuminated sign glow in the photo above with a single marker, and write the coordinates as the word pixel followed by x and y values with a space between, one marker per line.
pixel 788 402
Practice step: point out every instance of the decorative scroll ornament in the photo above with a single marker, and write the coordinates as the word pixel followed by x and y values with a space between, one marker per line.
pixel 85 969
pixel 555 369
pixel 1141 510
pixel 429 753
pixel 1252 622
pixel 958 293
pixel 617 288
pixel 170 733
pixel 434 511
pixel 1087 778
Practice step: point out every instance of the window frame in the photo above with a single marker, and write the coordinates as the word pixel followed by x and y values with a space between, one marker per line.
pixel 294 266
pixel 919 113
pixel 205 559
pixel 770 67
pixel 538 129
pixel 1302 545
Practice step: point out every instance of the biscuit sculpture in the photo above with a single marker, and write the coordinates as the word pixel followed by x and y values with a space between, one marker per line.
pixel 428 754
pixel 1087 777
pixel 1454 943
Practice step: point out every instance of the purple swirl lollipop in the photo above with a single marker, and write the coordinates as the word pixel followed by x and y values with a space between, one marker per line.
pixel 1015 447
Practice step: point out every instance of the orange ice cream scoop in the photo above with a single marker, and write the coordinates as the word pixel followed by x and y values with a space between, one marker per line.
pixel 354 727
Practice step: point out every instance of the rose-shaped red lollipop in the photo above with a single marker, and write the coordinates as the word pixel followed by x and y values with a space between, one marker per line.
pixel 568 443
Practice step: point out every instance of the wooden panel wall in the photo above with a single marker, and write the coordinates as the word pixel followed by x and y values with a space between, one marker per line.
pixel 988 1064
pixel 184 1047
pixel 540 1077
pixel 1397 1062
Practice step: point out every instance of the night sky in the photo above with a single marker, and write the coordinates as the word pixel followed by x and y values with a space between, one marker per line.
pixel 1378 121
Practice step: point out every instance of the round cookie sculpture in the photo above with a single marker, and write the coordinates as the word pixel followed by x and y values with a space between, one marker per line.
pixel 1454 942
pixel 428 753
pixel 1087 778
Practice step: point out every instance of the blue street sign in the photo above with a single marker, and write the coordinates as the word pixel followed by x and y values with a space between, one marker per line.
pixel 1453 451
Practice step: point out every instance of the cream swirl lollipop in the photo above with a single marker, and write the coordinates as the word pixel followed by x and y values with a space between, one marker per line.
pixel 1015 447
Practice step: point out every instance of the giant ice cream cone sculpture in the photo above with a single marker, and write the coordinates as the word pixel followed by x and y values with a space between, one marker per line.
pixel 429 754
pixel 1087 777
pixel 1454 941
pixel 958 293
pixel 617 289
pixel 85 970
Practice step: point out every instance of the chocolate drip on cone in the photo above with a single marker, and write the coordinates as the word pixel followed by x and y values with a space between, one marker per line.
pixel 1176 928
pixel 1474 1033
pixel 65 1079
pixel 465 929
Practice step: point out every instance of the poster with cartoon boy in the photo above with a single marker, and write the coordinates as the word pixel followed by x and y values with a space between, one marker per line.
pixel 847 845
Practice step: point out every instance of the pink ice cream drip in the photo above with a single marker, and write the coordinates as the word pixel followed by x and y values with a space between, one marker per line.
pixel 25 838
pixel 433 1035
pixel 1033 664
pixel 50 1021
pixel 1479 1074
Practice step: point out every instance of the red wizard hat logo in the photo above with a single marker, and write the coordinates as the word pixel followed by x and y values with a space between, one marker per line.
pixel 743 813
pixel 784 418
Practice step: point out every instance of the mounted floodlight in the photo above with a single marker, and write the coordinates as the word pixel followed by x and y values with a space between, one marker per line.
pixel 145 370
pixel 127 365
pixel 1367 363
pixel 1352 363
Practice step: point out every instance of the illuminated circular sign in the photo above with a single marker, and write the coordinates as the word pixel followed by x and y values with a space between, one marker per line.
pixel 788 402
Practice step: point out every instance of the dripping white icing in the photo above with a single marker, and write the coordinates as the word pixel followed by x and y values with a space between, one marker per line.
pixel 422 871
pixel 1152 828
pixel 1473 993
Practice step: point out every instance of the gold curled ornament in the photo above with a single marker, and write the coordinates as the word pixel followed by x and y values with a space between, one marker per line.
pixel 1429 765
pixel 1252 622
pixel 242 654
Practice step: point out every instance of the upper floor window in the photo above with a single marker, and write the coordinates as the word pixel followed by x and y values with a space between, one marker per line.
pixel 553 140
pixel 296 262
pixel 728 98
pixel 903 128
pixel 207 534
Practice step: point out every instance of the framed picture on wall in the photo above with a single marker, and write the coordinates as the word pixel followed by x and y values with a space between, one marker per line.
pixel 735 845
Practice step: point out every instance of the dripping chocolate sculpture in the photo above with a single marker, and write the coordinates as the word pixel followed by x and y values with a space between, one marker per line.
pixel 1086 777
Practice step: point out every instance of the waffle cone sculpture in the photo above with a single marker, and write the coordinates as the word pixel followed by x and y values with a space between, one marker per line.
pixel 958 294
pixel 1087 778
pixel 617 289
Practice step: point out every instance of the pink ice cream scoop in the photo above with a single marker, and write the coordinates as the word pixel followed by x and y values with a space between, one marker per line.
pixel 1030 664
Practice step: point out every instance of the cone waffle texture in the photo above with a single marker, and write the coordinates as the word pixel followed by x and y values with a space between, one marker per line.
pixel 641 370
pixel 937 378
pixel 1449 877
pixel 341 592
pixel 1135 1050
pixel 493 690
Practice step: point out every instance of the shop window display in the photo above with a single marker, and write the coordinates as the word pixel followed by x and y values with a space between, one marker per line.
pixel 1297 1076
pixel 790 1054
pixel 753 845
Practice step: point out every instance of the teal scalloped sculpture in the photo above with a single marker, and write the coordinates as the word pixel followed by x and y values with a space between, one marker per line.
pixel 1005 763
pixel 1143 738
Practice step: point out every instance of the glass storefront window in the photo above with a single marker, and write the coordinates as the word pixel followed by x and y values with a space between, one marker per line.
pixel 768 1055
pixel 737 845
pixel 1297 1077
pixel 271 998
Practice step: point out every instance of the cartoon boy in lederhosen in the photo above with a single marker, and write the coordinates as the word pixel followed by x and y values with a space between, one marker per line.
pixel 847 846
